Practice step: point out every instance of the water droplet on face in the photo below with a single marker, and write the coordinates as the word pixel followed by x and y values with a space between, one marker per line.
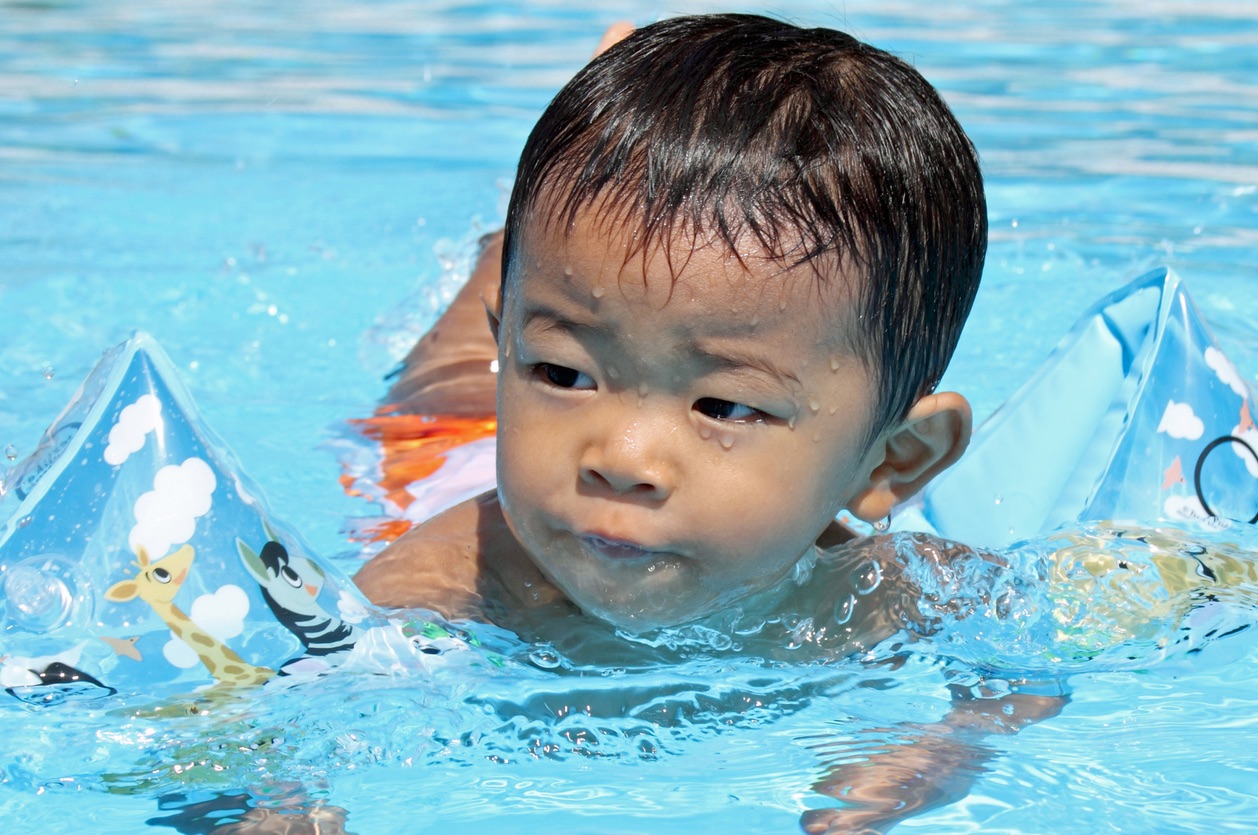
pixel 597 292
pixel 791 421
pixel 844 608
pixel 643 390
pixel 833 409
pixel 726 440
pixel 10 452
pixel 782 306
pixel 816 437
pixel 567 270
pixel 866 577
pixel 814 406
pixel 834 363
pixel 705 432
pixel 613 372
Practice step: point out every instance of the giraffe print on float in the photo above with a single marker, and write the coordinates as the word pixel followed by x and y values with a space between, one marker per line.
pixel 157 583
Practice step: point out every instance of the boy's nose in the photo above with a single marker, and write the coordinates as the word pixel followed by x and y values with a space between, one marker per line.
pixel 625 464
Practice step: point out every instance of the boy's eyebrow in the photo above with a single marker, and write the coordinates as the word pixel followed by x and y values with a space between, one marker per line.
pixel 730 358
pixel 543 315
pixel 714 357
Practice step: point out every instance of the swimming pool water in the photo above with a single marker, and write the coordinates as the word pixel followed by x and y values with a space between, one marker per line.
pixel 282 194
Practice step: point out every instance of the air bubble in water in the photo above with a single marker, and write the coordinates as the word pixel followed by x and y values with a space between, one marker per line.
pixel 866 577
pixel 545 658
pixel 10 452
pixel 844 609
pixel 49 372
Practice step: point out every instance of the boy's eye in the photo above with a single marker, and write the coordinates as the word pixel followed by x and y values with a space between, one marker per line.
pixel 564 378
pixel 726 410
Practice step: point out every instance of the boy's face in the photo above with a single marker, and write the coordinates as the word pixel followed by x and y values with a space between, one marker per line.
pixel 672 439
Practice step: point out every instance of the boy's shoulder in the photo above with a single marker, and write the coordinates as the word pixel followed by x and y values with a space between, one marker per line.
pixel 463 563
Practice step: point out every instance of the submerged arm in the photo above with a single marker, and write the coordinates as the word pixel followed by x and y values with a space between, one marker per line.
pixel 920 767
pixel 897 772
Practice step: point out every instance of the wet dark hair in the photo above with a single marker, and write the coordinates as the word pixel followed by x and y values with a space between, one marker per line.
pixel 824 149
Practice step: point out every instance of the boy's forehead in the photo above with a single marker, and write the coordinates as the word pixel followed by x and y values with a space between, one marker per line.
pixel 678 266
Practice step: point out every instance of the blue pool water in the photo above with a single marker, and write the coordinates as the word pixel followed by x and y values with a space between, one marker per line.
pixel 284 195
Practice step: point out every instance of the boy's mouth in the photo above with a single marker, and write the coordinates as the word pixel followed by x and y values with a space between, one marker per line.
pixel 616 549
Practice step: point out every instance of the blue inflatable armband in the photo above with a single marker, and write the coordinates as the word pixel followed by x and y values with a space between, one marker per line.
pixel 1136 417
pixel 137 554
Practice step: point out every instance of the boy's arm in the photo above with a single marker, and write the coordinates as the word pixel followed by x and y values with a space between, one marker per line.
pixel 922 767
pixel 448 372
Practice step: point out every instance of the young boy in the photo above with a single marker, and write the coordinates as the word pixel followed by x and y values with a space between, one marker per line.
pixel 736 261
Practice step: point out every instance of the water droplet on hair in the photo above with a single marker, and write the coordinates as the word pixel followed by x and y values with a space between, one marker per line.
pixel 597 292
pixel 10 452
pixel 506 350
pixel 843 609
pixel 814 406
pixel 866 577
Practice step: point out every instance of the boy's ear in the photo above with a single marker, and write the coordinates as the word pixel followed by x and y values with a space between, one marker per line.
pixel 492 297
pixel 928 441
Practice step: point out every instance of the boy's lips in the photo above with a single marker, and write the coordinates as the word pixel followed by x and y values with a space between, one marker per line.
pixel 614 548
